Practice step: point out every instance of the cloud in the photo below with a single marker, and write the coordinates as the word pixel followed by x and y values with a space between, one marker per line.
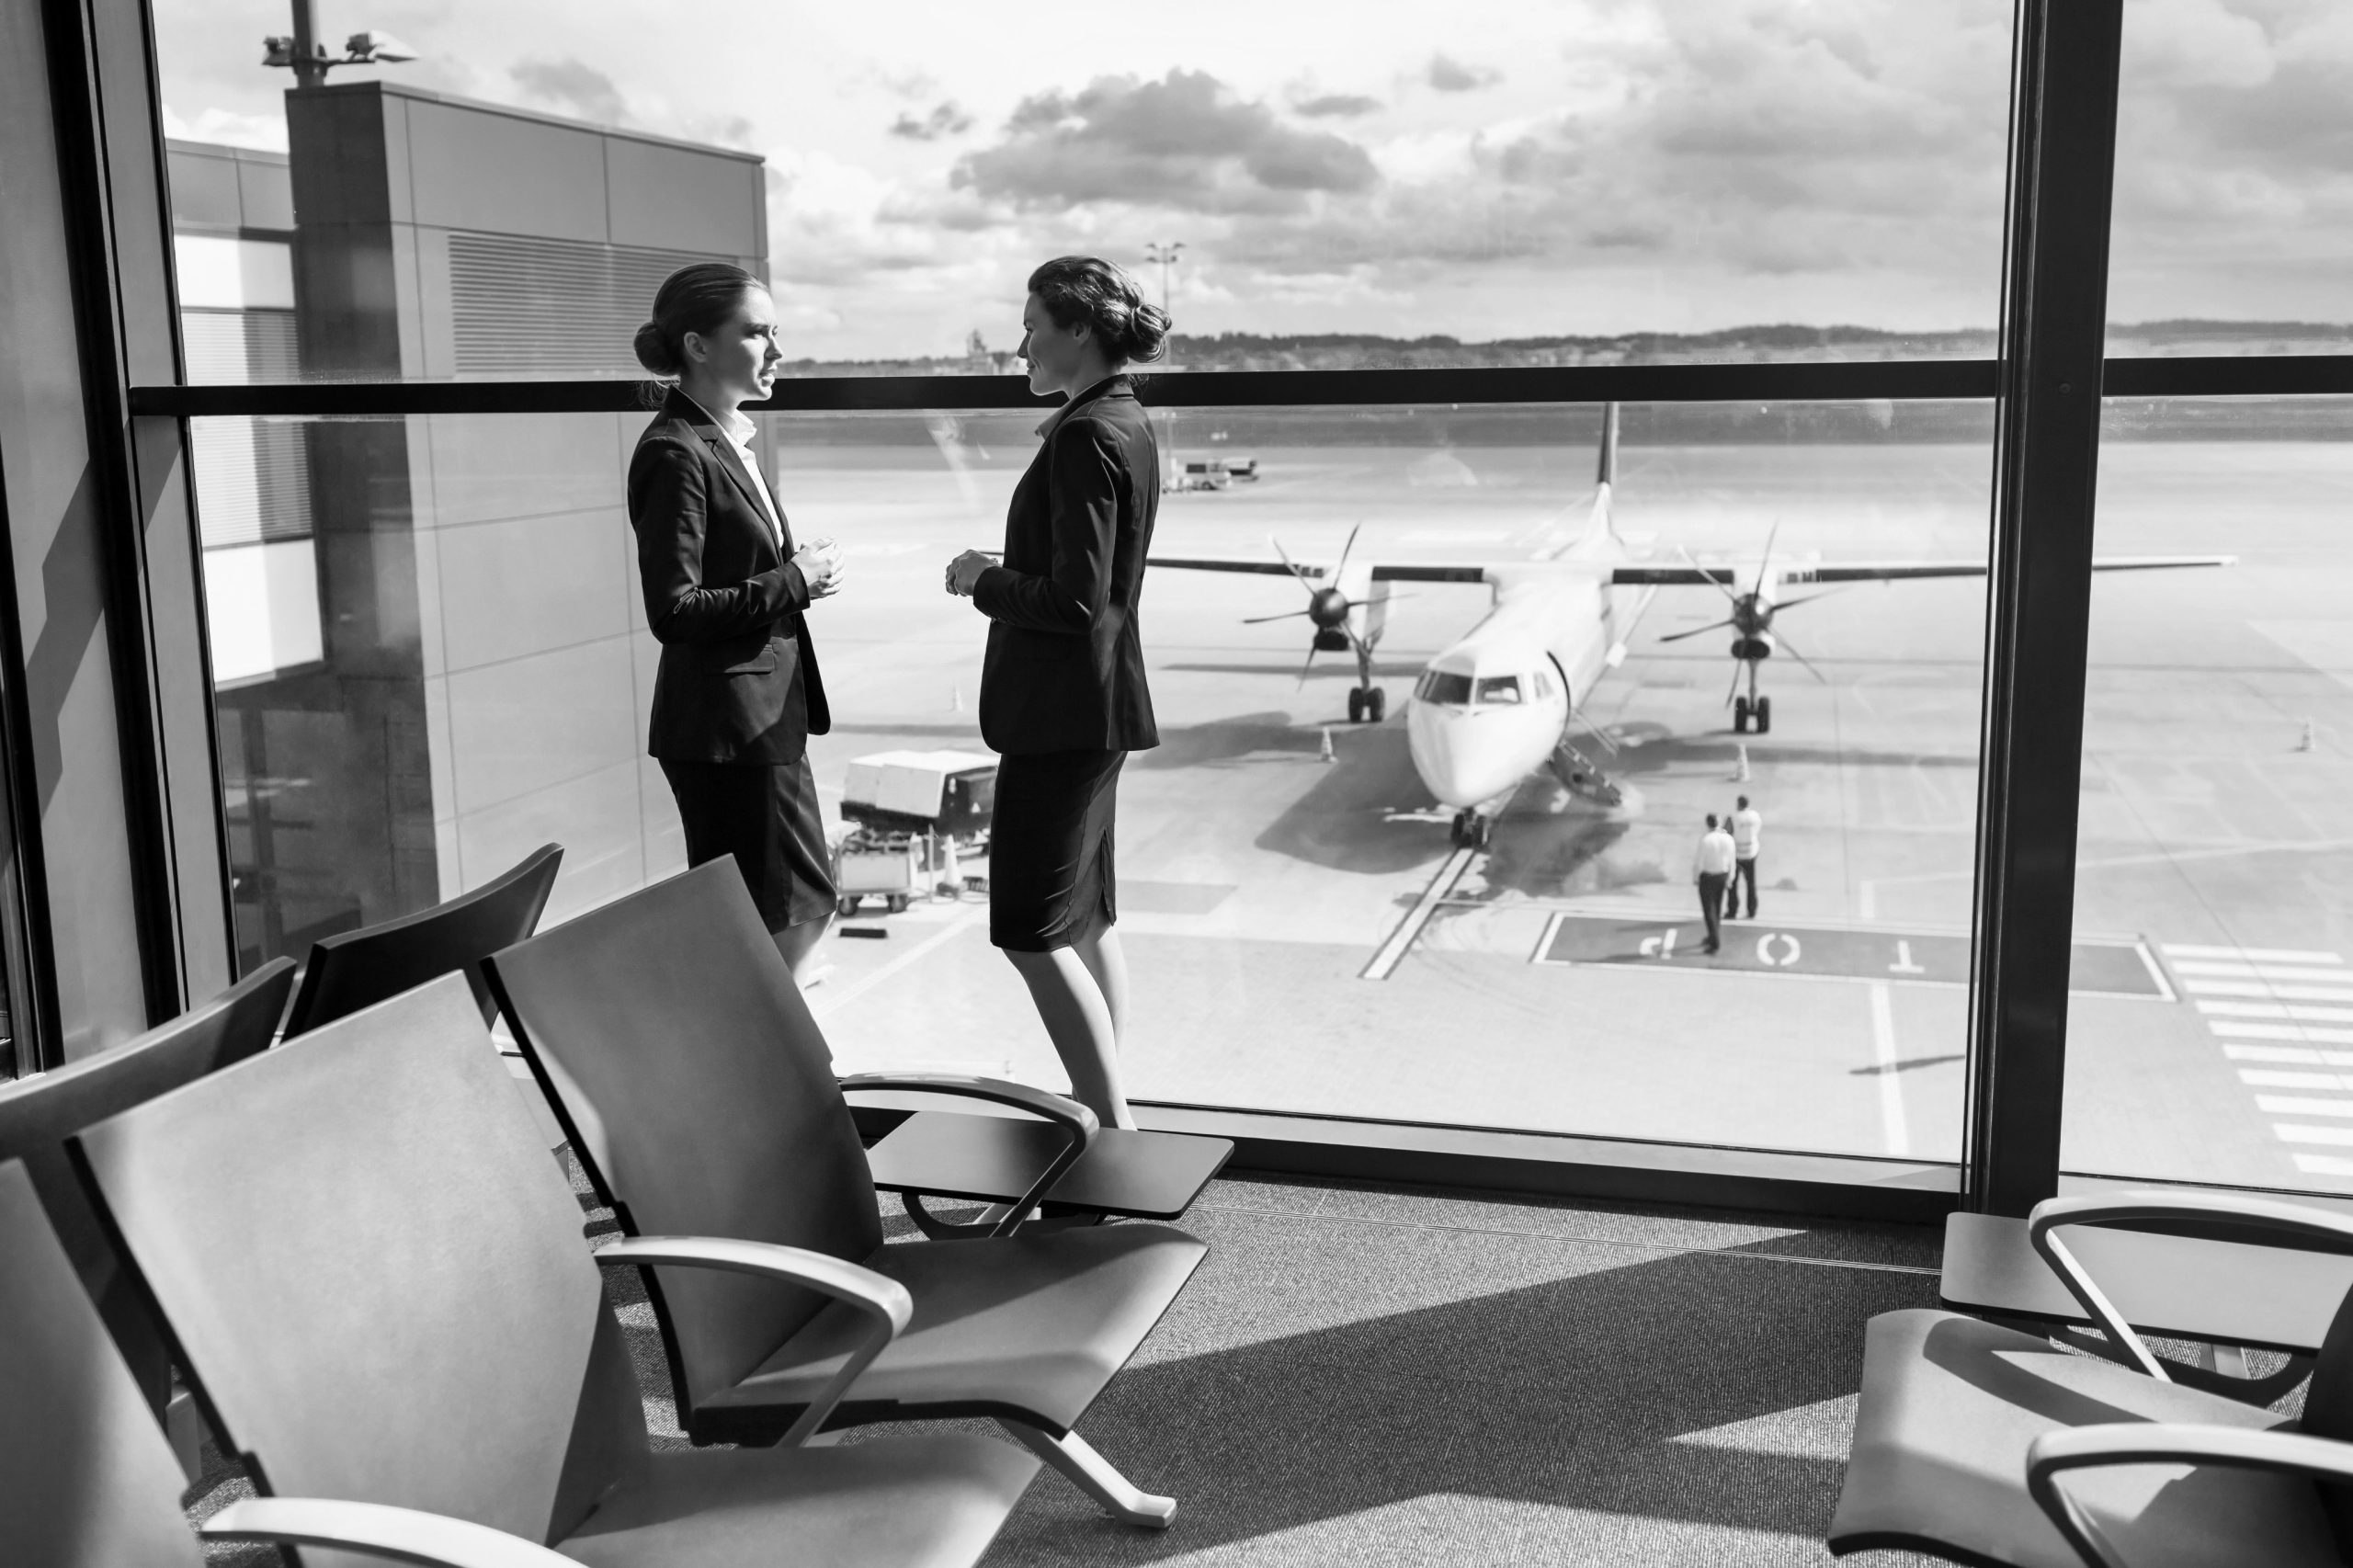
pixel 1186 142
pixel 567 83
pixel 1337 106
pixel 1451 75
pixel 945 120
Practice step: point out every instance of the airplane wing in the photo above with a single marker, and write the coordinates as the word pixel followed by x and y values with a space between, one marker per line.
pixel 1892 571
pixel 1381 573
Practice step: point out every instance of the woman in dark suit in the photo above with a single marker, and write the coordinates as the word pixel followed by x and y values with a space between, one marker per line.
pixel 738 693
pixel 1063 694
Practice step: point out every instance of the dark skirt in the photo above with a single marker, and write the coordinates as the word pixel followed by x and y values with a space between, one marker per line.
pixel 1050 878
pixel 766 817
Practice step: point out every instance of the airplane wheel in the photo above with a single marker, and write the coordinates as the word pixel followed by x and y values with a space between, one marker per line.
pixel 1458 833
pixel 1480 829
pixel 1356 705
pixel 1376 704
pixel 1764 714
pixel 1740 715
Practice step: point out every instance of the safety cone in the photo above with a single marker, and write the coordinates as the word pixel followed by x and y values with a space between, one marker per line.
pixel 1740 768
pixel 1324 753
pixel 2311 739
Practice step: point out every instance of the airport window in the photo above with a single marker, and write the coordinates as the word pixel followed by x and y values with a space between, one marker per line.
pixel 395 724
pixel 2215 846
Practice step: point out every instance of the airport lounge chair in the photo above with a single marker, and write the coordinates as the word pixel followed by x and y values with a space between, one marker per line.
pixel 38 1114
pixel 378 1278
pixel 699 1095
pixel 359 968
pixel 87 1479
pixel 1985 1445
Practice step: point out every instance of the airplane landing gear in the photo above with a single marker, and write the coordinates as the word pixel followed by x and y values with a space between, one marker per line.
pixel 1763 712
pixel 1367 704
pixel 1470 830
pixel 1740 715
pixel 1746 714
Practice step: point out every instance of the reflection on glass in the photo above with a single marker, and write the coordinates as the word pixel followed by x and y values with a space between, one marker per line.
pixel 2216 837
pixel 1594 182
pixel 1307 926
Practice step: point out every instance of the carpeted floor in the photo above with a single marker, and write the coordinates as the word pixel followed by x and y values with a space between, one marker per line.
pixel 1391 1379
pixel 1388 1378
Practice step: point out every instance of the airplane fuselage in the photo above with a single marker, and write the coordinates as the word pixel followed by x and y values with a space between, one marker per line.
pixel 1491 708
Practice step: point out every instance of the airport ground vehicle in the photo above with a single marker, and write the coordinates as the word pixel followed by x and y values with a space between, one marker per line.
pixel 917 816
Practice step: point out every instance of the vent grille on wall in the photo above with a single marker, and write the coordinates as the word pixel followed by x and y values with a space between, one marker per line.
pixel 551 307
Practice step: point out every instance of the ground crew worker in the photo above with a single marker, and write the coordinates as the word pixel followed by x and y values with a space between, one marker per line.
pixel 1747 831
pixel 1711 869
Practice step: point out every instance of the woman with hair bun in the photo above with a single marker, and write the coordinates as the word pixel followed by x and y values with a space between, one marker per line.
pixel 737 695
pixel 1063 693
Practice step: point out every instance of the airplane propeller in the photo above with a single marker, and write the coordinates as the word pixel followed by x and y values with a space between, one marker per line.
pixel 1327 607
pixel 1753 612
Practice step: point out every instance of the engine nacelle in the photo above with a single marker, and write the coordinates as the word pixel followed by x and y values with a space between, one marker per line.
pixel 1331 640
pixel 1760 646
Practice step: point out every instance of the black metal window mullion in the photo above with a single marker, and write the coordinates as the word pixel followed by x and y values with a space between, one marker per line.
pixel 2039 610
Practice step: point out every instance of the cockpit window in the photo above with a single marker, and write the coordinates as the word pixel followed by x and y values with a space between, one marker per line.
pixel 1444 686
pixel 1499 688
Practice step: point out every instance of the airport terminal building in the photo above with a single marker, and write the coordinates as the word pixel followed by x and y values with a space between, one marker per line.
pixel 1745 620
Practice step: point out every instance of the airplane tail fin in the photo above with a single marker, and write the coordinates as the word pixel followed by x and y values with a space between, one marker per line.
pixel 1601 525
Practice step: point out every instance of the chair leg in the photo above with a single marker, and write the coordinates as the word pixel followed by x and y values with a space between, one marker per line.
pixel 1093 1474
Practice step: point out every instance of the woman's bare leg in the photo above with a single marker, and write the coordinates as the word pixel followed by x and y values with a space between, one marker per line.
pixel 1079 1021
pixel 1105 961
pixel 799 946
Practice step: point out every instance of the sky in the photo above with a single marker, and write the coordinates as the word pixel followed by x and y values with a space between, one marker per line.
pixel 1483 168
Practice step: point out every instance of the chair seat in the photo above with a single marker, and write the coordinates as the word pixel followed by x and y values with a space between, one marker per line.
pixel 931 1502
pixel 1951 1404
pixel 1029 1327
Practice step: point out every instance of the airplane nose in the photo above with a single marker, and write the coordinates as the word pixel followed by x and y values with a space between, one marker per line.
pixel 1454 767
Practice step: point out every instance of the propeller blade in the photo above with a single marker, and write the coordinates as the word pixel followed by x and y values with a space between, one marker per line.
pixel 1680 636
pixel 1287 615
pixel 1793 604
pixel 1305 667
pixel 1765 565
pixel 1801 659
pixel 1344 553
pixel 1304 580
pixel 1721 587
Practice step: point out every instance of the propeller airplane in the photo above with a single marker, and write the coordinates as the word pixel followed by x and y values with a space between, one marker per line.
pixel 1502 700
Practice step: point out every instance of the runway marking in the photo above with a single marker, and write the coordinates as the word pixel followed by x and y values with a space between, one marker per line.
pixel 1392 951
pixel 826 1006
pixel 2278 980
pixel 1891 1086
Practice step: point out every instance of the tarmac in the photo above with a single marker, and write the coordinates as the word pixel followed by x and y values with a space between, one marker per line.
pixel 1260 885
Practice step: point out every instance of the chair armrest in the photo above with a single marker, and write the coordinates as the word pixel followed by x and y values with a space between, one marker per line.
pixel 1081 1122
pixel 2138 1442
pixel 398 1535
pixel 2273 1219
pixel 878 1297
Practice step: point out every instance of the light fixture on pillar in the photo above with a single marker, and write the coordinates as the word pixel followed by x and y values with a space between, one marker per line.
pixel 302 55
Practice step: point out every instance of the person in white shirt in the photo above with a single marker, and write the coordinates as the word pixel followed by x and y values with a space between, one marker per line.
pixel 1711 869
pixel 1747 833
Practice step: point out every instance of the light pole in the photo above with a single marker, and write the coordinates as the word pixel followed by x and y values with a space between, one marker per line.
pixel 1167 256
pixel 310 63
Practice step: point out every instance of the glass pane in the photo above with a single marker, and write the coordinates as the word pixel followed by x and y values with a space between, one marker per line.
pixel 1490 183
pixel 2232 223
pixel 1304 929
pixel 2215 843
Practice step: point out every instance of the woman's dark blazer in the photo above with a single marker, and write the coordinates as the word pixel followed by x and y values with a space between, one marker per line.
pixel 1064 669
pixel 738 681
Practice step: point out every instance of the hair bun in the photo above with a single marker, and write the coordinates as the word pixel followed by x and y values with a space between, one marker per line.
pixel 655 350
pixel 1148 332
